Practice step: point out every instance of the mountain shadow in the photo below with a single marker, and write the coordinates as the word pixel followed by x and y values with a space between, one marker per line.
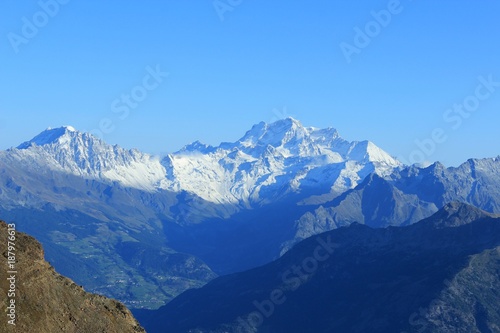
pixel 438 275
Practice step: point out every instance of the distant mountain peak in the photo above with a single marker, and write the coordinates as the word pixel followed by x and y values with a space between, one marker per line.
pixel 69 128
pixel 50 135
pixel 290 137
pixel 283 155
pixel 288 123
pixel 197 146
pixel 455 214
pixel 83 154
pixel 275 134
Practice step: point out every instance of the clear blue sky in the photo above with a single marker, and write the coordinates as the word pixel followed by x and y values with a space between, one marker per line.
pixel 265 60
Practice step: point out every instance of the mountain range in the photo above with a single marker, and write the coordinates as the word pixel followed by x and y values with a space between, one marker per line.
pixel 142 229
pixel 280 158
pixel 441 274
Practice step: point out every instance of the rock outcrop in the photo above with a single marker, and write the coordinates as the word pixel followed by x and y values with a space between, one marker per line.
pixel 47 302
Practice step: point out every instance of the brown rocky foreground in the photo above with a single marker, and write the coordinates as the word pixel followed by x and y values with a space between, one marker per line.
pixel 38 299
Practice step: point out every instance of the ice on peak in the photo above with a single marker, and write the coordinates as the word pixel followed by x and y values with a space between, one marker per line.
pixel 50 135
pixel 288 120
pixel 274 134
pixel 368 151
pixel 69 128
pixel 286 124
pixel 323 135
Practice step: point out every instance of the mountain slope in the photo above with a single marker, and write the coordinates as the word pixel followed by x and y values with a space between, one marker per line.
pixel 47 302
pixel 206 211
pixel 438 275
pixel 405 196
pixel 83 223
pixel 90 203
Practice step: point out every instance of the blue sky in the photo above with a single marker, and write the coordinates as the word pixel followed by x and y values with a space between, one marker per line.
pixel 233 63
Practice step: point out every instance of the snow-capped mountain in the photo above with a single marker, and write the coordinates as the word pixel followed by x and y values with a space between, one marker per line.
pixel 273 160
pixel 268 162
pixel 225 208
pixel 81 154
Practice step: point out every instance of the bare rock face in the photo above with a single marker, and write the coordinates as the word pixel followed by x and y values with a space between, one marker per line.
pixel 47 302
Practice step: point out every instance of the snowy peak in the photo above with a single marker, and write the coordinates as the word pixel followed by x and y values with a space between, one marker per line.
pixel 279 133
pixel 284 132
pixel 275 160
pixel 367 151
pixel 325 136
pixel 67 150
pixel 49 136
pixel 269 162
pixel 290 138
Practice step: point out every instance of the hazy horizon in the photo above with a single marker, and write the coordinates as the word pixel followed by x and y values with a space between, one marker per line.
pixel 392 72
